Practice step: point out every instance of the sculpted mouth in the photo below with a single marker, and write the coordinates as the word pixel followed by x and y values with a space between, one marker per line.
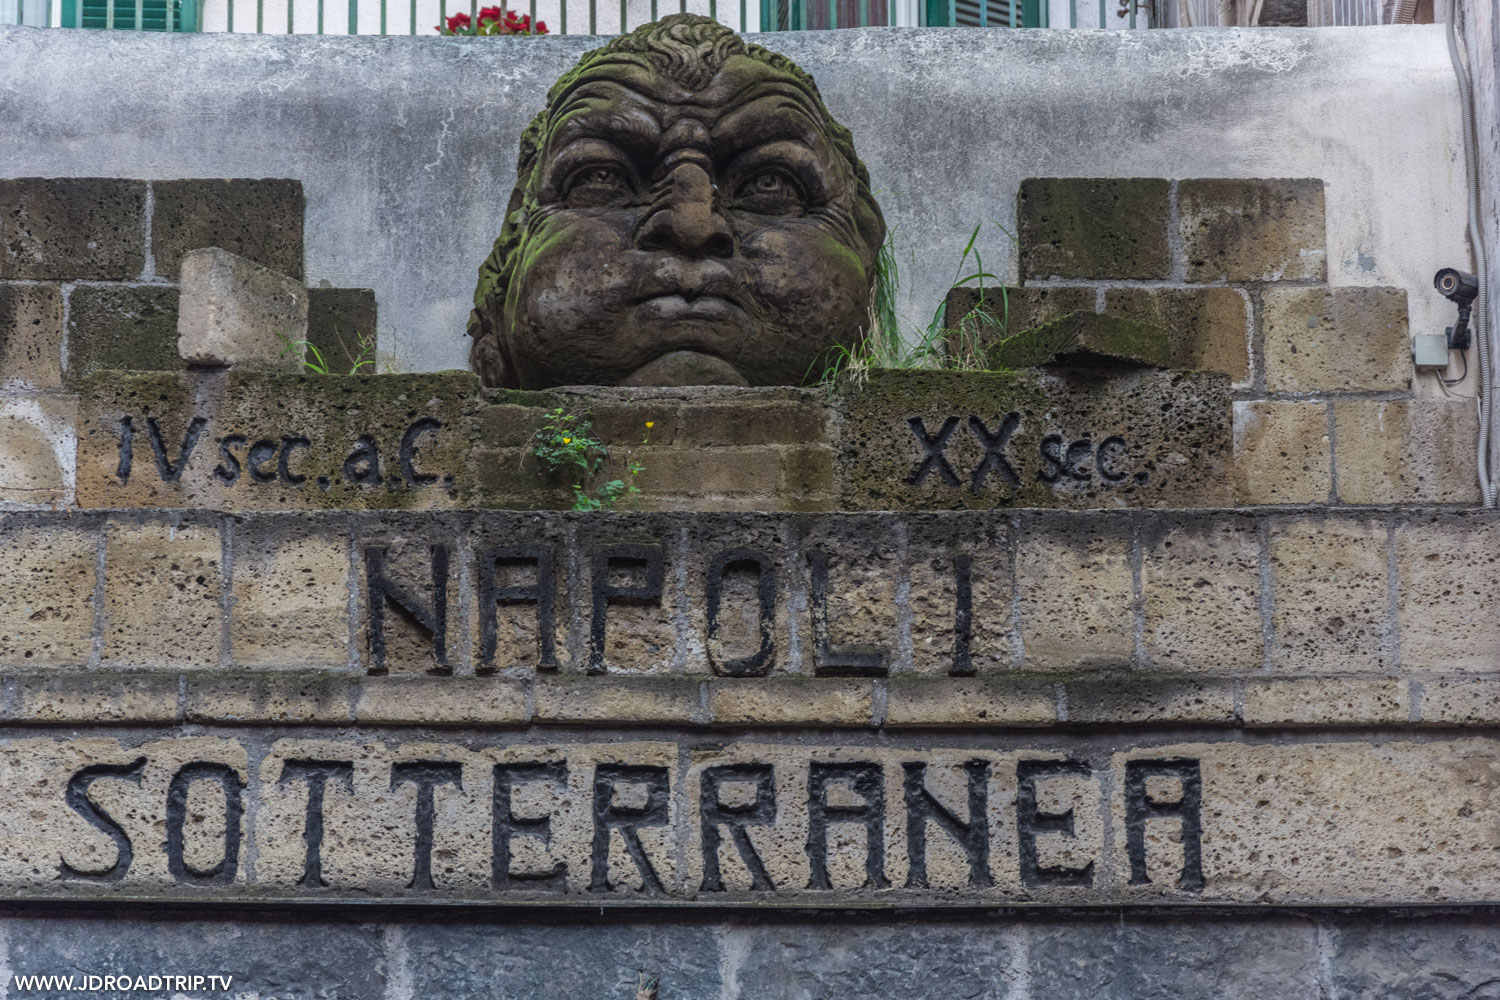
pixel 674 307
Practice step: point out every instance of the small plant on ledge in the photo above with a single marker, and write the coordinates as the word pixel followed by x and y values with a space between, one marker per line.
pixel 492 21
pixel 567 441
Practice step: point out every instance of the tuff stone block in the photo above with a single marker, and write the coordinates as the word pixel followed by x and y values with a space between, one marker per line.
pixel 341 324
pixel 411 570
pixel 1282 453
pixel 1327 339
pixel 1076 592
pixel 36 439
pixel 257 219
pixel 748 627
pixel 1253 230
pixel 162 592
pixel 131 327
pixel 976 318
pixel 94 698
pixel 1459 701
pixel 1194 570
pixel 1209 327
pixel 310 698
pixel 624 583
pixel 1112 699
pixel 848 621
pixel 1329 595
pixel 47 591
pixel 441 701
pixel 642 700
pixel 233 312
pixel 290 594
pixel 1078 227
pixel 244 440
pixel 970 701
pixel 72 228
pixel 960 591
pixel 821 701
pixel 934 440
pixel 31 335
pixel 1448 568
pixel 1326 701
pixel 1418 451
pixel 1085 340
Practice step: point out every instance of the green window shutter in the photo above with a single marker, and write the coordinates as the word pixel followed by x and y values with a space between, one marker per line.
pixel 155 15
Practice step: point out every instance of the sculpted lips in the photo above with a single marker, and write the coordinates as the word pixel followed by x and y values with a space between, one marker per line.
pixel 672 307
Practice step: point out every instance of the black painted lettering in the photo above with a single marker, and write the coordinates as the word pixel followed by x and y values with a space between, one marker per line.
pixel 933 459
pixel 759 811
pixel 1076 460
pixel 169 471
pixel 542 561
pixel 233 788
pixel 1030 823
pixel 77 798
pixel 228 469
pixel 408 452
pixel 127 449
pixel 758 663
pixel 963 616
pixel 1187 810
pixel 432 619
pixel 865 780
pixel 610 814
pixel 506 825
pixel 994 451
pixel 284 461
pixel 1107 459
pixel 643 559
pixel 315 774
pixel 830 660
pixel 262 455
pixel 362 466
pixel 973 836
pixel 426 775
pixel 1052 459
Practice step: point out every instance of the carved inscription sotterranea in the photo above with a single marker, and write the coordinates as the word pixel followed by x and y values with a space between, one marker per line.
pixel 334 817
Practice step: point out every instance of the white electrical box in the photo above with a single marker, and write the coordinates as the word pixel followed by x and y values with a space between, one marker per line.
pixel 1430 350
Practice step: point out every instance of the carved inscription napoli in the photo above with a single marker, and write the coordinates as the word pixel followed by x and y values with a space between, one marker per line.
pixel 324 818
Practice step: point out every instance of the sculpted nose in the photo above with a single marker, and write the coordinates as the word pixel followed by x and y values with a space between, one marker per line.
pixel 685 221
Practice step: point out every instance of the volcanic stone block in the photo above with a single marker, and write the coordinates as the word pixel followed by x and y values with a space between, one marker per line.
pixel 1076 592
pixel 245 440
pixel 1098 228
pixel 1253 230
pixel 1330 594
pixel 1447 569
pixel 162 591
pixel 1136 699
pixel 272 697
pixel 290 594
pixel 122 327
pixel 1085 340
pixel 806 701
pixel 72 228
pixel 409 569
pixel 960 589
pixel 31 333
pixel 1406 450
pixel 1282 452
pixel 975 318
pixel 1460 701
pixel 73 698
pixel 234 312
pixel 573 699
pixel 257 219
pixel 47 591
pixel 441 701
pixel 341 324
pixel 36 437
pixel 933 440
pixel 1321 339
pixel 1194 570
pixel 1209 327
pixel 849 621
pixel 1326 701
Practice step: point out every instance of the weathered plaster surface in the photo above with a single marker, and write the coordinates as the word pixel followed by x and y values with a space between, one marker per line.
pixel 406 146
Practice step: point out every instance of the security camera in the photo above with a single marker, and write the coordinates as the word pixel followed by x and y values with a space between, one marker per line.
pixel 1461 288
pixel 1457 286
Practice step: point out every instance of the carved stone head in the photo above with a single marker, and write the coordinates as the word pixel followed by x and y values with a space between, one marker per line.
pixel 686 212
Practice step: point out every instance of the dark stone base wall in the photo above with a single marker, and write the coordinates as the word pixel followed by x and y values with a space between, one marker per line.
pixel 836 956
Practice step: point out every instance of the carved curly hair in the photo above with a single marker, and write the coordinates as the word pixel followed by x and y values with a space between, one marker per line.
pixel 690 49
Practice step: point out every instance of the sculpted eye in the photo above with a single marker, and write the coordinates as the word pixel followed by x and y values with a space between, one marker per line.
pixel 771 192
pixel 595 186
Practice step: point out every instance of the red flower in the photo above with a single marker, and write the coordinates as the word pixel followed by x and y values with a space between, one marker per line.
pixel 540 28
pixel 489 14
pixel 458 22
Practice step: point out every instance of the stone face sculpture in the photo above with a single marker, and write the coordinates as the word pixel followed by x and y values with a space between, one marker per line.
pixel 686 212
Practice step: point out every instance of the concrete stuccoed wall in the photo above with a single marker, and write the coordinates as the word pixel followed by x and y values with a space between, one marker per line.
pixel 406 146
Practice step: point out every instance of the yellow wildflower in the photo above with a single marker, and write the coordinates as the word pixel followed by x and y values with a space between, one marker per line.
pixel 650 424
pixel 567 440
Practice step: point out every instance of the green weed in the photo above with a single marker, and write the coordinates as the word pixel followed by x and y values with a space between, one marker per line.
pixel 567 442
